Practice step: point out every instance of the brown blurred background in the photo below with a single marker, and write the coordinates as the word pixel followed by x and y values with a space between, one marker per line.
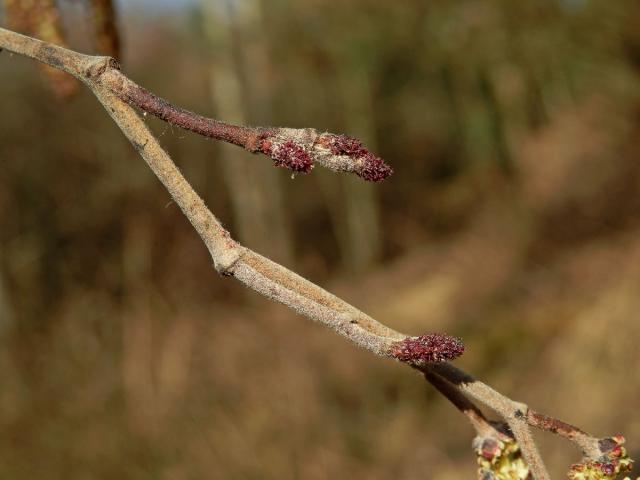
pixel 513 221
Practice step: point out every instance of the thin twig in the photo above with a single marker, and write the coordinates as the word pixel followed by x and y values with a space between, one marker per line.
pixel 513 413
pixel 589 444
pixel 491 437
pixel 475 416
pixel 517 414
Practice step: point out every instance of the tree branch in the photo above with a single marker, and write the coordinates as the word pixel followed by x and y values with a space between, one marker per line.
pixel 428 353
pixel 229 258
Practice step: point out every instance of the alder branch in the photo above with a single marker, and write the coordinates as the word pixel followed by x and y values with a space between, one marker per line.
pixel 107 38
pixel 296 149
pixel 428 353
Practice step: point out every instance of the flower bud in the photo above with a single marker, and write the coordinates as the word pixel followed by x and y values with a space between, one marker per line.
pixel 431 348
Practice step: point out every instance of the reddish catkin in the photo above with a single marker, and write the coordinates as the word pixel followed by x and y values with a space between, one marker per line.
pixel 301 149
pixel 368 166
pixel 291 156
pixel 430 348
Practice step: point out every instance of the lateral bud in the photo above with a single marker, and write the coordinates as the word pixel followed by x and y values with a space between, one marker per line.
pixel 430 348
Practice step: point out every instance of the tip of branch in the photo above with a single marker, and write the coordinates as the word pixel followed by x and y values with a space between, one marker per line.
pixel 300 149
pixel 431 348
pixel 614 460
pixel 360 160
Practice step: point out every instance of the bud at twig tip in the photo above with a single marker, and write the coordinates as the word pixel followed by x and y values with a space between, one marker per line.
pixel 363 163
pixel 300 149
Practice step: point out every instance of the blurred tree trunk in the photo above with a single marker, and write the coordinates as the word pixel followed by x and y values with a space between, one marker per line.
pixel 631 36
pixel 496 120
pixel 534 105
pixel 457 137
pixel 41 19
pixel 106 35
pixel 363 243
pixel 6 311
pixel 255 188
pixel 352 203
pixel 536 113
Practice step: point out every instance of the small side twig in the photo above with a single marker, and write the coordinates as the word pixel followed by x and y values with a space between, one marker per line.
pixel 511 411
pixel 517 414
pixel 498 453
pixel 475 416
pixel 587 443
pixel 296 149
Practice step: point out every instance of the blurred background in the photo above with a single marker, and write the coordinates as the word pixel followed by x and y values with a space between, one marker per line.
pixel 512 221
